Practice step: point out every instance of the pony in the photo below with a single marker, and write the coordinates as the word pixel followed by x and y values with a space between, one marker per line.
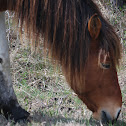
pixel 81 40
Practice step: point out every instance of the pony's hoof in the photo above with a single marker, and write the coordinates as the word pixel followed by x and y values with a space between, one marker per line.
pixel 16 113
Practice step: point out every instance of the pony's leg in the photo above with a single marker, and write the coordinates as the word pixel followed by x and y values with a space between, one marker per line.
pixel 8 100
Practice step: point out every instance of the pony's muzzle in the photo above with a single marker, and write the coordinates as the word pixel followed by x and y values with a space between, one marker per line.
pixel 106 117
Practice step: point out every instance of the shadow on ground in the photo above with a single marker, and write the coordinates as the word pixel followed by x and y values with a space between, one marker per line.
pixel 55 120
pixel 40 118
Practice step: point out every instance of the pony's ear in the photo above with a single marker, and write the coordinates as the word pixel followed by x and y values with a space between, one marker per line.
pixel 94 26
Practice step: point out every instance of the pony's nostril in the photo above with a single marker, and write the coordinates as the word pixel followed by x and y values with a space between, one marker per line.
pixel 106 118
pixel 118 113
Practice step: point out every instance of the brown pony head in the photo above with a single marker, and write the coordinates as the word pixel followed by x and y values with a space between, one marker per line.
pixel 98 85
pixel 84 43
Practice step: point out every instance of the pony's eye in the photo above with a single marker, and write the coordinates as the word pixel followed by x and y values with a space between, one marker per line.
pixel 105 66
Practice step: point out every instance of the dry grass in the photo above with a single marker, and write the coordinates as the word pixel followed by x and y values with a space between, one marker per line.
pixel 41 88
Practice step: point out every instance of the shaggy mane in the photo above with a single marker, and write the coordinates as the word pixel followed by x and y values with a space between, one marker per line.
pixel 63 25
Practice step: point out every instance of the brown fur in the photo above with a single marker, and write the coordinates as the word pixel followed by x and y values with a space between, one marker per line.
pixel 94 26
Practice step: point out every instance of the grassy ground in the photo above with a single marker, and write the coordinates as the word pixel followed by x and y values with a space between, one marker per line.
pixel 41 88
